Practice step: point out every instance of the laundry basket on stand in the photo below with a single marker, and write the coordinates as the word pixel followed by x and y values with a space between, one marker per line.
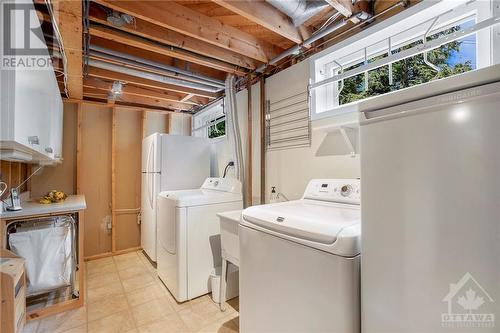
pixel 48 246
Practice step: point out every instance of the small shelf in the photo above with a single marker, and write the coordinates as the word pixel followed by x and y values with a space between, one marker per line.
pixel 340 139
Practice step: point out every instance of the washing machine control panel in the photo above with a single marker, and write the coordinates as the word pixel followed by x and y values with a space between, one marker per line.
pixel 334 190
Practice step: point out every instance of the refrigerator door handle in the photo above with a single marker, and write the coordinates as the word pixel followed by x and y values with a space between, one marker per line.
pixel 148 163
pixel 150 190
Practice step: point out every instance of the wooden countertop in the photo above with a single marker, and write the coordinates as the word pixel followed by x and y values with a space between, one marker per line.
pixel 30 208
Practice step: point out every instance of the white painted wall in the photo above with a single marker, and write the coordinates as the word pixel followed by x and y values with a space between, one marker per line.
pixel 179 124
pixel 222 150
pixel 290 170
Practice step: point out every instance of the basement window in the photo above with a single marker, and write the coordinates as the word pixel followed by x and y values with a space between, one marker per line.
pixel 210 122
pixel 395 61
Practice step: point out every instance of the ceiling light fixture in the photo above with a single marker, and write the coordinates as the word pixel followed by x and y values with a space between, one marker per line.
pixel 119 19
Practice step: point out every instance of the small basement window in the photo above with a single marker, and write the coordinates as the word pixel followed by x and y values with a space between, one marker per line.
pixel 217 127
pixel 394 61
pixel 210 122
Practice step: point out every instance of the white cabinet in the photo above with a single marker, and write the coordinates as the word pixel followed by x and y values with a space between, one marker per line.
pixel 31 112
pixel 31 116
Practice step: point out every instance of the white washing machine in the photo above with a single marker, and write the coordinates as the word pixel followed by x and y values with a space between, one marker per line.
pixel 300 262
pixel 188 246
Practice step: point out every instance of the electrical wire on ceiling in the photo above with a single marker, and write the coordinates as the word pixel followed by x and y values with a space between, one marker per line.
pixel 59 44
pixel 329 21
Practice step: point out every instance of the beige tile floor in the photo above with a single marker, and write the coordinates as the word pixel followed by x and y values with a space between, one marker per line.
pixel 124 294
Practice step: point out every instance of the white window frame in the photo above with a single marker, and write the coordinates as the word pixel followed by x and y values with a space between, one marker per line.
pixel 204 119
pixel 375 41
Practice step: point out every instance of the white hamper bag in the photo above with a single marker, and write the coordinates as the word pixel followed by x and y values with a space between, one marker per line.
pixel 48 251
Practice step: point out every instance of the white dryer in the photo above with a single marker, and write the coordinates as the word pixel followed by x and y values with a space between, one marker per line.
pixel 300 262
pixel 188 246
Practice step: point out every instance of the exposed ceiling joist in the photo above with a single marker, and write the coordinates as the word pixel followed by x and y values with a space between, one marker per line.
pixel 187 98
pixel 141 43
pixel 124 98
pixel 186 21
pixel 344 7
pixel 69 20
pixel 265 15
pixel 162 35
pixel 114 76
pixel 137 91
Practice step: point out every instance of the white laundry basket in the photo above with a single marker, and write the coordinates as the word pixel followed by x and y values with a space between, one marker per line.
pixel 232 289
pixel 48 246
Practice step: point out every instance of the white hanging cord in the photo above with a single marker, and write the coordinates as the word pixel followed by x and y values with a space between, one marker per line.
pixel 24 182
pixel 60 44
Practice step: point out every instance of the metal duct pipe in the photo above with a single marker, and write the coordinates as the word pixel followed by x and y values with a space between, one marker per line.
pixel 148 68
pixel 151 76
pixel 177 71
pixel 298 10
pixel 296 49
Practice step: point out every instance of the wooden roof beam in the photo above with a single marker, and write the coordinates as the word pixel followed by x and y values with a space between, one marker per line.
pixel 344 7
pixel 151 102
pixel 141 43
pixel 162 35
pixel 265 15
pixel 69 20
pixel 114 76
pixel 173 16
pixel 91 82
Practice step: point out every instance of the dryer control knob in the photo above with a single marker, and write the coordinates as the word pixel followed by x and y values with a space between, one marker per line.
pixel 346 190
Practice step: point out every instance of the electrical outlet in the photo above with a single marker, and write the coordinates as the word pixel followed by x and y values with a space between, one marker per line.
pixel 107 224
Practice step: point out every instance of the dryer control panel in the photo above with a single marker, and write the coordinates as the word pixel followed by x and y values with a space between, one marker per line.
pixel 334 190
pixel 222 184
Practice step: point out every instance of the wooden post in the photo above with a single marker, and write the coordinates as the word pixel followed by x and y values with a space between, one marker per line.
pixel 79 117
pixel 262 140
pixel 113 181
pixel 248 177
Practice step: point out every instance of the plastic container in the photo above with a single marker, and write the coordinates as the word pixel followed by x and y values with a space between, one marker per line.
pixel 232 287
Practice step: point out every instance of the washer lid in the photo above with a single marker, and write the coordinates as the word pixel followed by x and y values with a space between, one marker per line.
pixel 184 198
pixel 332 227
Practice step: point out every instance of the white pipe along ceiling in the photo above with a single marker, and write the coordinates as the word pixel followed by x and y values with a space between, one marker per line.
pixel 171 70
pixel 151 76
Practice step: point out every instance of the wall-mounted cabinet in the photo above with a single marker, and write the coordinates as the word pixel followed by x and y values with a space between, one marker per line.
pixel 31 112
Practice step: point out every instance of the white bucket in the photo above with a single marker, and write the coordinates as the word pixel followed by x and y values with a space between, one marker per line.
pixel 232 286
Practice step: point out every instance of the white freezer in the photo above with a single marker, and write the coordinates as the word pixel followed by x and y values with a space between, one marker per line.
pixel 169 162
pixel 430 214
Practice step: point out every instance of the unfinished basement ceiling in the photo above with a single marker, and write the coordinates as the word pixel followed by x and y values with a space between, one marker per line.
pixel 174 56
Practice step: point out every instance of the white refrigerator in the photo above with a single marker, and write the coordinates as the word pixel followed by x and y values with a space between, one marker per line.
pixel 430 173
pixel 169 162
